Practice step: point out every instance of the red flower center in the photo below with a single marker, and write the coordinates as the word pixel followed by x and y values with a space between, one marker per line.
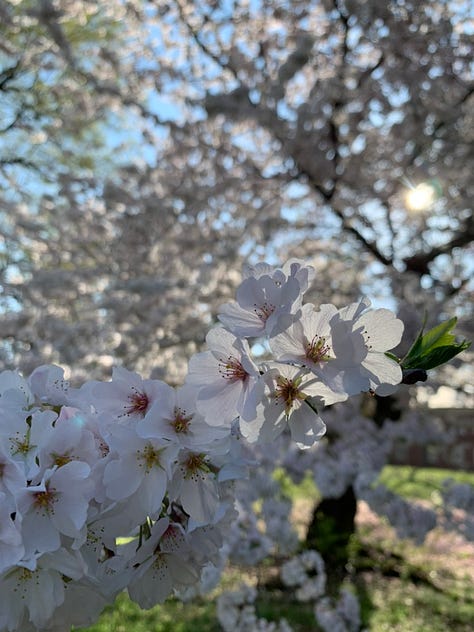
pixel 139 403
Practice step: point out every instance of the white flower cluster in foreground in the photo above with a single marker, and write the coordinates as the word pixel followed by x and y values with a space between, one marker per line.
pixel 130 483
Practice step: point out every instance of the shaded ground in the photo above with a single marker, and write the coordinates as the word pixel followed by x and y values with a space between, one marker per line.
pixel 403 587
pixel 445 552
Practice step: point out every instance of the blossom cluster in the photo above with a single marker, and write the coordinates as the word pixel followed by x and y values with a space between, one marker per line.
pixel 306 573
pixel 317 357
pixel 236 613
pixel 131 483
pixel 458 508
pixel 113 485
pixel 341 616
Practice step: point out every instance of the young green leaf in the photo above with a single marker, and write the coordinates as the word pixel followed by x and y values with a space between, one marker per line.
pixel 435 347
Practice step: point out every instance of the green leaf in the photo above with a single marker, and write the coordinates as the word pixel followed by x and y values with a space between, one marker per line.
pixel 437 346
pixel 414 349
pixel 441 355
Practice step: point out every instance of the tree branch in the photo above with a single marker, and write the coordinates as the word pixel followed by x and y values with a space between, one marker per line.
pixel 419 263
pixel 9 74
pixel 204 48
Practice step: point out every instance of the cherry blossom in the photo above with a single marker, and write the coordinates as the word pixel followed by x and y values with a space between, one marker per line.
pixel 261 301
pixel 283 393
pixel 15 393
pixel 174 417
pixel 163 564
pixel 194 485
pixel 11 541
pixel 138 466
pixel 127 397
pixel 31 593
pixel 225 376
pixel 360 338
pixel 47 383
pixel 57 504
pixel 21 435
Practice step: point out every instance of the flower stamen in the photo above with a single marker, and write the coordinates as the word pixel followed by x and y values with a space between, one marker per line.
pixel 139 403
pixel 287 391
pixel 317 350
pixel 231 369
pixel 180 422
pixel 264 311
pixel 44 501
pixel 150 456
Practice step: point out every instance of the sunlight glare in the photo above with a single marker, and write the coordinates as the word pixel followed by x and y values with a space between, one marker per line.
pixel 421 197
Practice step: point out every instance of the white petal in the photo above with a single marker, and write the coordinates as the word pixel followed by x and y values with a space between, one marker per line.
pixel 306 426
pixel 290 344
pixel 383 369
pixel 220 340
pixel 182 572
pixel 218 402
pixel 354 310
pixel 348 346
pixel 241 321
pixel 384 329
pixel 250 292
pixel 121 478
pixel 154 586
pixel 317 322
pixel 202 369
pixel 200 499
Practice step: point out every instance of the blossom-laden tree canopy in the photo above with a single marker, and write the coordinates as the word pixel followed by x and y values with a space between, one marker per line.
pixel 147 148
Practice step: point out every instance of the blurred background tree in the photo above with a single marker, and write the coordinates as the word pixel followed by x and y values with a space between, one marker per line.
pixel 148 149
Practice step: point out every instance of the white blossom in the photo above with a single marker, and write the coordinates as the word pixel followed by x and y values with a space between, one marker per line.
pixel 194 485
pixel 307 574
pixel 261 301
pixel 281 403
pixel 126 398
pixel 159 571
pixel 342 616
pixel 225 376
pixel 56 505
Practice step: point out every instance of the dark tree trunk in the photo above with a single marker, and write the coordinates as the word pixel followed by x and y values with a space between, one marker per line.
pixel 330 531
pixel 332 525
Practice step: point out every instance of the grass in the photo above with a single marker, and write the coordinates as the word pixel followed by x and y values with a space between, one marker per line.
pixel 174 616
pixel 305 490
pixel 388 604
pixel 395 605
pixel 391 602
pixel 421 483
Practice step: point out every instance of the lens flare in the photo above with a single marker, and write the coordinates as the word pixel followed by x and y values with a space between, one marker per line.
pixel 421 197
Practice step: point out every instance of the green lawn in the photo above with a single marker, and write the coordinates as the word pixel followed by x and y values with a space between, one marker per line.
pixel 405 601
pixel 174 616
pixel 423 483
